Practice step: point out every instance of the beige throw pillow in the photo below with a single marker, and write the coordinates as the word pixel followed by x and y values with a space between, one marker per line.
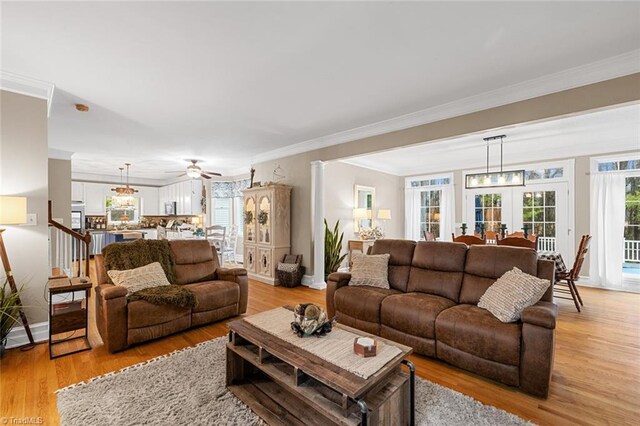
pixel 512 293
pixel 371 270
pixel 151 275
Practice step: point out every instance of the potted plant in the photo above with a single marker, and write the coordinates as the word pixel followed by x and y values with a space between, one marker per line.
pixel 332 248
pixel 9 313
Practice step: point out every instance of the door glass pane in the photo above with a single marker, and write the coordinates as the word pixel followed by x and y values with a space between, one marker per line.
pixel 488 212
pixel 430 212
pixel 541 218
pixel 632 226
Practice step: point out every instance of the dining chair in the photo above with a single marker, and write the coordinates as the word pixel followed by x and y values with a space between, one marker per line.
pixel 162 232
pixel 569 278
pixel 468 240
pixel 491 237
pixel 518 242
pixel 517 234
pixel 216 236
pixel 429 236
pixel 230 245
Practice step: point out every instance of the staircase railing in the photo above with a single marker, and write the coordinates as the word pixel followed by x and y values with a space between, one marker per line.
pixel 69 250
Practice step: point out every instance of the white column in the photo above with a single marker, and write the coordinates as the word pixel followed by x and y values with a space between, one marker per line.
pixel 317 223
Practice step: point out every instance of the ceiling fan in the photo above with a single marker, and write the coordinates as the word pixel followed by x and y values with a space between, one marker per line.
pixel 194 171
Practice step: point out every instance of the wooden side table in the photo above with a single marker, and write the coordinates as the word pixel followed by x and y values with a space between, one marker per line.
pixel 68 316
pixel 359 246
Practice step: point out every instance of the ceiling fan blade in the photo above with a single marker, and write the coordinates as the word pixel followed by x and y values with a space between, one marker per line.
pixel 182 174
pixel 205 176
pixel 212 173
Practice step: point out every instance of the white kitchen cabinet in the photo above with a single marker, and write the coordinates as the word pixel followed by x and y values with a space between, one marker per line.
pixel 77 191
pixel 95 198
pixel 187 196
pixel 149 200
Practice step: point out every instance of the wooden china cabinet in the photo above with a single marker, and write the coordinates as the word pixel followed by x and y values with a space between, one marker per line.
pixel 267 236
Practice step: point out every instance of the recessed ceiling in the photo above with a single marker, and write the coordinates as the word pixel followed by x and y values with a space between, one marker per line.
pixel 226 82
pixel 599 132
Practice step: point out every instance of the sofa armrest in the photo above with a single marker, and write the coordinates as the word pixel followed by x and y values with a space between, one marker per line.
pixel 101 272
pixel 239 276
pixel 537 348
pixel 542 314
pixel 334 282
pixel 111 316
pixel 110 291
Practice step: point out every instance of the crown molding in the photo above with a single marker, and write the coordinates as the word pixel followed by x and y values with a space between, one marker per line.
pixel 28 86
pixel 59 154
pixel 606 69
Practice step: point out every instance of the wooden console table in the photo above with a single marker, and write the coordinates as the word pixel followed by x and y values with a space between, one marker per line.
pixel 68 316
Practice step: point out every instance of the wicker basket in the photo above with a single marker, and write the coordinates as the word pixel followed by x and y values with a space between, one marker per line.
pixel 291 278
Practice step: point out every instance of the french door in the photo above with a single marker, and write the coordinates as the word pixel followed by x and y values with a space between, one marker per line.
pixel 542 207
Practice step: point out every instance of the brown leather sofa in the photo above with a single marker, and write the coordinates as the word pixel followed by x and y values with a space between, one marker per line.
pixel 221 293
pixel 431 306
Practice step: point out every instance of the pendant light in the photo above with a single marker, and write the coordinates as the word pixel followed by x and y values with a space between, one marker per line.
pixel 124 193
pixel 495 179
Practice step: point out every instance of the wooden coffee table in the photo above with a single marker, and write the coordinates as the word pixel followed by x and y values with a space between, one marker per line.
pixel 286 385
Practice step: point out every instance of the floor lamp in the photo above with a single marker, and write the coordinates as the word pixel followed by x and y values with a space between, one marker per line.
pixel 13 211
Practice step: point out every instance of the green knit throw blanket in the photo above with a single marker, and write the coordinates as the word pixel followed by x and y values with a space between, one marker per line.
pixel 176 295
pixel 123 256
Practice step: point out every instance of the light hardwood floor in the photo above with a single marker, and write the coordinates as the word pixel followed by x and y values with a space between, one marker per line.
pixel 596 377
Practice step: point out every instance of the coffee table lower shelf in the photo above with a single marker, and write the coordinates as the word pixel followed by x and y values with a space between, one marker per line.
pixel 282 394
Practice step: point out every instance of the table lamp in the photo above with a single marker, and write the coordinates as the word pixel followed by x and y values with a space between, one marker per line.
pixel 359 214
pixel 383 215
pixel 13 211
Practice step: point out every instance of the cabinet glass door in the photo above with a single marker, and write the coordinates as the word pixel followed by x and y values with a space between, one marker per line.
pixel 264 220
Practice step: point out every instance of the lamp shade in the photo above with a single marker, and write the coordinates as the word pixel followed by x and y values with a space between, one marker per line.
pixel 360 213
pixel 13 210
pixel 384 214
pixel 195 220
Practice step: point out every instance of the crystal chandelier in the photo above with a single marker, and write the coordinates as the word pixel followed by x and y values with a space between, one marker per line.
pixel 494 179
pixel 124 193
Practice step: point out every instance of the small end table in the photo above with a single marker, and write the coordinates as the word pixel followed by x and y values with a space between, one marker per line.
pixel 68 316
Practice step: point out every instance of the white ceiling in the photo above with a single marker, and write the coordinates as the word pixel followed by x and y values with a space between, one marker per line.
pixel 606 131
pixel 231 82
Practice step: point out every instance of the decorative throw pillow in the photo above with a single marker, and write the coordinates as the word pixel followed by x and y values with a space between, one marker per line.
pixel 151 275
pixel 514 291
pixel 288 267
pixel 371 270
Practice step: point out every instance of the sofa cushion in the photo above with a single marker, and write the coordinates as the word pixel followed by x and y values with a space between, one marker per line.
pixel 485 264
pixel 195 261
pixel 148 276
pixel 477 332
pixel 437 268
pixel 514 291
pixel 214 294
pixel 141 313
pixel 414 313
pixel 401 255
pixel 370 270
pixel 361 302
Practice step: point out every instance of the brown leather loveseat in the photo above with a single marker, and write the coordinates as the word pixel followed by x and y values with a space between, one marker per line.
pixel 221 293
pixel 431 306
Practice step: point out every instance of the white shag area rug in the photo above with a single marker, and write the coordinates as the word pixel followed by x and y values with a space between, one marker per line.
pixel 188 387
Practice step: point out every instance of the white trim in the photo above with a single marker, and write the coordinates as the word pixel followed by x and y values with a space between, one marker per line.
pixel 18 337
pixel 606 69
pixel 58 154
pixel 28 86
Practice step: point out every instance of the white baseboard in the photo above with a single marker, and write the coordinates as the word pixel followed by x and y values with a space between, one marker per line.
pixel 18 337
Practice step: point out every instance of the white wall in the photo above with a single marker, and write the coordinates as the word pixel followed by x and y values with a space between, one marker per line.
pixel 24 172
pixel 340 179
